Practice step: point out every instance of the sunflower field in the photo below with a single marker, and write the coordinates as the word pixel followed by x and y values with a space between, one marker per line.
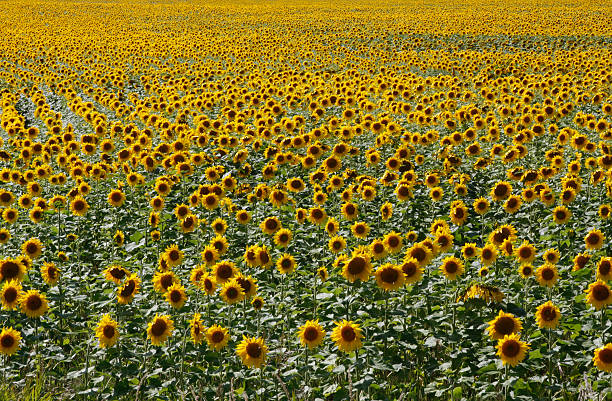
pixel 305 200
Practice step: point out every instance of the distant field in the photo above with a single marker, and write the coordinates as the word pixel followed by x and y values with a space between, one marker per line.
pixel 305 200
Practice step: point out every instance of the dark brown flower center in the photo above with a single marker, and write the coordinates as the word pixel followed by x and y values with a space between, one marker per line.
pixel 253 350
pixel 601 292
pixel 389 275
pixel 548 274
pixel 10 295
pixel 128 289
pixel 504 325
pixel 224 272
pixel 7 341
pixel 232 293
pixel 605 355
pixel 356 265
pixel 348 334
pixel 511 348
pixel 451 267
pixel 158 328
pixel 593 239
pixel 175 296
pixel 34 303
pixel 548 314
pixel 9 270
pixel 108 331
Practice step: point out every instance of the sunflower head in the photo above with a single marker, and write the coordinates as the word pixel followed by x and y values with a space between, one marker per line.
pixel 217 337
pixel 252 351
pixel 602 358
pixel 10 340
pixel 311 334
pixel 547 315
pixel 504 324
pixel 107 331
pixel 347 336
pixel 159 329
pixel 511 349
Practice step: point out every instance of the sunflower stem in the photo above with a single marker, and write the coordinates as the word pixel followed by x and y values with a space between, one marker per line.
pixel 386 322
pixel 181 380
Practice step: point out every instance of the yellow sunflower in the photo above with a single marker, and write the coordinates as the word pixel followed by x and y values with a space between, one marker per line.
pixel 10 340
pixel 33 303
pixel 347 336
pixel 217 337
pixel 159 329
pixel 602 358
pixel 252 351
pixel 107 331
pixel 511 349
pixel 311 334
pixel 389 277
pixel 504 324
pixel 548 315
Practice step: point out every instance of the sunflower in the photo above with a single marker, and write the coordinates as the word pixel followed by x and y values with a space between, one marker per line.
pixel 32 248
pixel 9 341
pixel 197 329
pixel 336 244
pixel 36 215
pixel 189 223
pixel 386 211
pixel 604 269
pixel 33 303
pixel 547 275
pixel 599 294
pixel 594 239
pixel 360 229
pixel 263 257
pixel 580 261
pixel 551 256
pixel 209 255
pixel 50 273
pixel 176 296
pixel 452 267
pixel 252 351
pixel 393 242
pixel 248 284
pixel 210 201
pixel 504 324
pixel 173 255
pixel 322 273
pixel 444 241
pixel 469 250
pixel 311 334
pixel 501 191
pixel 421 253
pixel 412 270
pixel 217 337
pixel 283 237
pixel 257 303
pixel 458 213
pixel 163 280
pixel 119 238
pixel 349 211
pixel 377 249
pixel 358 267
pixel 525 270
pixel 561 214
pixel 317 215
pixel 224 271
pixel 332 226
pixel 10 294
pixel 285 264
pixel 159 329
pixel 347 336
pixel 488 254
pixel 511 349
pixel 232 292
pixel 126 293
pixel 270 225
pixel 525 253
pixel 389 277
pixel 12 269
pixel 10 215
pixel 79 206
pixel 547 315
pixel 512 204
pixel 5 235
pixel 208 284
pixel 436 194
pixel 116 198
pixel 602 358
pixel 107 331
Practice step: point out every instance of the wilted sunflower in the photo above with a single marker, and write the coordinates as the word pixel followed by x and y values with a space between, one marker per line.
pixel 197 329
pixel 504 324
pixel 511 349
pixel 32 248
pixel 347 336
pixel 33 303
pixel 602 358
pixel 10 340
pixel 548 315
pixel 311 334
pixel 10 294
pixel 107 331
pixel 159 329
pixel 217 337
pixel 176 296
pixel 599 294
pixel 252 351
